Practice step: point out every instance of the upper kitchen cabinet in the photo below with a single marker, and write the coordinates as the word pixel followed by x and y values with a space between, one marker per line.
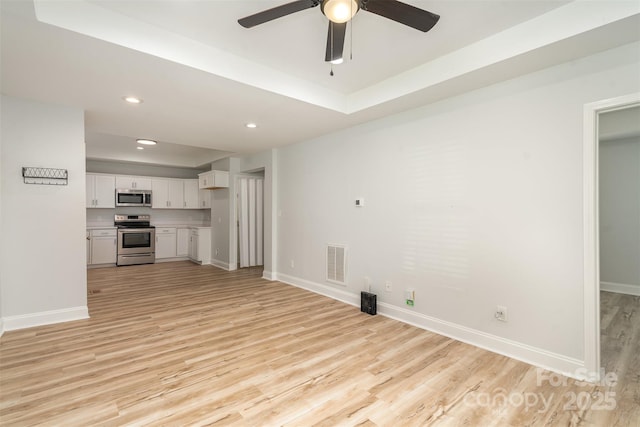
pixel 204 199
pixel 213 179
pixel 133 182
pixel 167 193
pixel 101 191
pixel 191 194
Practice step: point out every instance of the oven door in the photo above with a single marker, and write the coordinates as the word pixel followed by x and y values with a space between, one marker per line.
pixel 136 241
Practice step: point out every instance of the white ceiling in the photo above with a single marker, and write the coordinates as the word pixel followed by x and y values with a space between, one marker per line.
pixel 202 76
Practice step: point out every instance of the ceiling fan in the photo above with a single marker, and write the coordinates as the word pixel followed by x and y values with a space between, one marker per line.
pixel 340 12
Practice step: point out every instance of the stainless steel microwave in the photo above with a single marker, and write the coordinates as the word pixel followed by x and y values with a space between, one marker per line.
pixel 130 197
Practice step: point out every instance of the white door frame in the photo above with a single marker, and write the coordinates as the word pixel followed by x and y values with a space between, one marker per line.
pixel 591 226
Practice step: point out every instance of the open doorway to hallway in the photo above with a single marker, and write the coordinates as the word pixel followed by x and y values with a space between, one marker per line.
pixel 250 220
pixel 619 240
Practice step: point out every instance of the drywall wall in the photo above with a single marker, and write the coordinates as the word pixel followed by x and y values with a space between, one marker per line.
pixel 120 168
pixel 474 202
pixel 43 266
pixel 619 198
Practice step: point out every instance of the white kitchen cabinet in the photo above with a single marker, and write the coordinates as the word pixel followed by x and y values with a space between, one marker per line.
pixel 165 242
pixel 101 191
pixel 191 191
pixel 182 246
pixel 204 199
pixel 213 179
pixel 167 193
pixel 104 245
pixel 133 182
pixel 200 245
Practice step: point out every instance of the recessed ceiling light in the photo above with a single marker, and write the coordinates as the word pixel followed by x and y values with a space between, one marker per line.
pixel 132 100
pixel 146 141
pixel 251 125
pixel 140 148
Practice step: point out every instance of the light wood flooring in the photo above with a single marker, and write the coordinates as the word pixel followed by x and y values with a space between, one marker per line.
pixel 178 344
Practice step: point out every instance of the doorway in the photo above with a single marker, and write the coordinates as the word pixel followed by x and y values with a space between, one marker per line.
pixel 250 220
pixel 592 258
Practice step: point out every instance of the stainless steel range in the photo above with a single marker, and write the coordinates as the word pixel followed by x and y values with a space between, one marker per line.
pixel 136 239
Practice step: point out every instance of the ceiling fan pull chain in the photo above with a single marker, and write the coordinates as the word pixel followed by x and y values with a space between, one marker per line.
pixel 331 25
pixel 351 41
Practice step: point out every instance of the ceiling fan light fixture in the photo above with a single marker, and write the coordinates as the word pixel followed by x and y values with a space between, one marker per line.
pixel 339 11
pixel 337 61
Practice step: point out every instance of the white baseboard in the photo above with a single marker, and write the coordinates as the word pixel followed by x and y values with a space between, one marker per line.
pixel 568 366
pixel 620 288
pixel 11 323
pixel 220 264
pixel 179 258
pixel 326 290
pixel 1 327
pixel 268 275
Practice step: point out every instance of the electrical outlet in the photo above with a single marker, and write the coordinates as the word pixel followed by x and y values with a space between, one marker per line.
pixel 293 265
pixel 217 251
pixel 388 286
pixel 501 313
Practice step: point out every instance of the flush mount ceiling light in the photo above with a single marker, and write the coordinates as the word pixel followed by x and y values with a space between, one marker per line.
pixel 146 141
pixel 251 125
pixel 339 11
pixel 132 100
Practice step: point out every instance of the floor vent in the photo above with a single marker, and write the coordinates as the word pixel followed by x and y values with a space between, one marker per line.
pixel 337 264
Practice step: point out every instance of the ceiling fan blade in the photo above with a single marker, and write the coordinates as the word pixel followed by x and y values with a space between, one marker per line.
pixel 335 41
pixel 277 12
pixel 402 13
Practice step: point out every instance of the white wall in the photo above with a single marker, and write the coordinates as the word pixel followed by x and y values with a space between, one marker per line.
pixel 620 214
pixel 120 168
pixel 43 266
pixel 474 202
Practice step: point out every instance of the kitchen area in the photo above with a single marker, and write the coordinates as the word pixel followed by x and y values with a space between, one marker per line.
pixel 143 219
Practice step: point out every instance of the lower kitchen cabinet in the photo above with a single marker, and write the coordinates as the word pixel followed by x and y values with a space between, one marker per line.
pixel 200 245
pixel 166 243
pixel 103 246
pixel 182 249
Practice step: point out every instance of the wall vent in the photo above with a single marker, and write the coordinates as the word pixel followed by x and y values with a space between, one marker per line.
pixel 337 264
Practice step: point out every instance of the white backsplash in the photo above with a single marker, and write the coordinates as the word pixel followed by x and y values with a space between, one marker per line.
pixel 195 217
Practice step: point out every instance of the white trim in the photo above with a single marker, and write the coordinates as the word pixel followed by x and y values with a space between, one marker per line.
pixel 22 321
pixel 220 264
pixel 532 355
pixel 591 221
pixel 328 291
pixel 174 259
pixel 1 326
pixel 620 288
pixel 268 275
